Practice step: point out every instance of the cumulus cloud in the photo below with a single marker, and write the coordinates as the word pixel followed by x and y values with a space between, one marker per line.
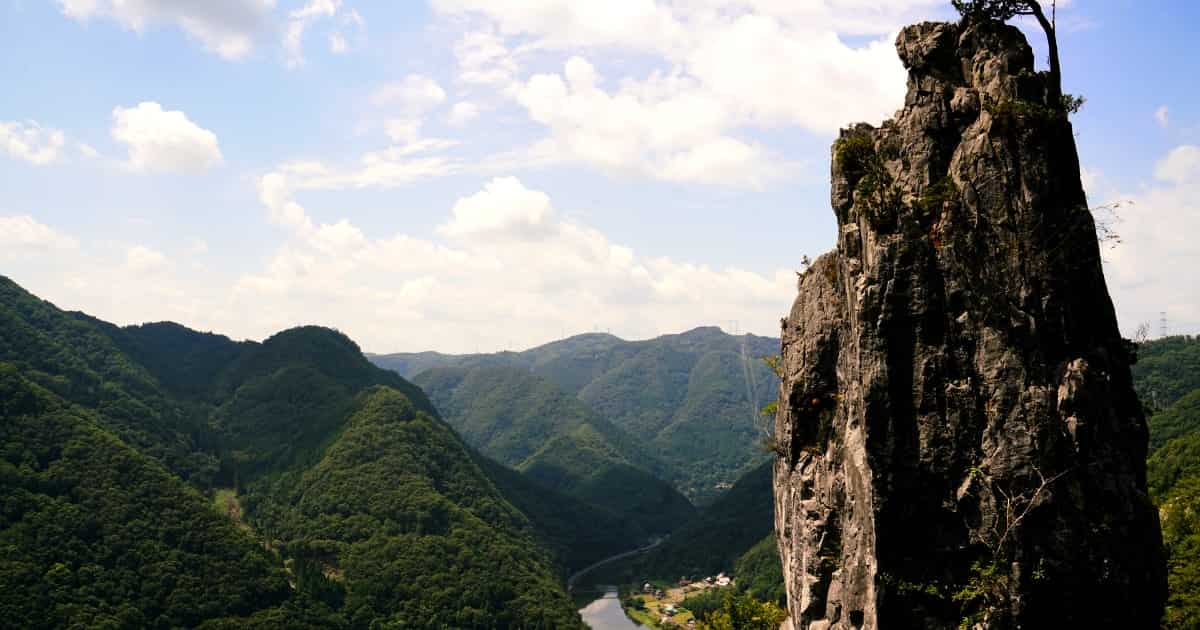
pixel 725 68
pixel 462 113
pixel 414 94
pixel 23 232
pixel 142 259
pixel 642 24
pixel 505 267
pixel 31 142
pixel 1181 166
pixel 228 28
pixel 662 127
pixel 513 269
pixel 503 209
pixel 1152 270
pixel 162 140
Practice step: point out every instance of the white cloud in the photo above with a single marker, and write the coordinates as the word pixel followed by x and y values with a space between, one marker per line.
pixel 662 127
pixel 160 140
pixel 634 23
pixel 402 129
pixel 228 28
pixel 414 95
pixel 337 44
pixel 484 59
pixel 397 165
pixel 515 271
pixel 725 68
pixel 462 113
pixel 351 28
pixel 141 259
pixel 1153 269
pixel 298 22
pixel 1181 166
pixel 512 271
pixel 1162 116
pixel 30 142
pixel 25 232
pixel 1090 178
pixel 346 24
pixel 503 209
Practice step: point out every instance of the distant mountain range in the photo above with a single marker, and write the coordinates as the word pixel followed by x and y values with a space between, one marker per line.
pixel 683 407
pixel 156 476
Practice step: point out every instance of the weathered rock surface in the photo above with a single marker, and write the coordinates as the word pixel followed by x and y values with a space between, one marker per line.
pixel 960 444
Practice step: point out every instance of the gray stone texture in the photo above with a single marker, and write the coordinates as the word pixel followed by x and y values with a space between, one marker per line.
pixel 959 440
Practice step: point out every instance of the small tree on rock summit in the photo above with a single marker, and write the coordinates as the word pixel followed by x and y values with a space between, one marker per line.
pixel 1004 10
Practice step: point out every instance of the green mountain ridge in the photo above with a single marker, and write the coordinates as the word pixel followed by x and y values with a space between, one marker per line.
pixel 351 488
pixel 690 400
pixel 526 421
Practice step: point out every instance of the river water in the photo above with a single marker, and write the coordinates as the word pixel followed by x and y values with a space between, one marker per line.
pixel 606 613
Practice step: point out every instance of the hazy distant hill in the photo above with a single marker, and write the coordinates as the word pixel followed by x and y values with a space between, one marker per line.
pixel 691 398
pixel 115 442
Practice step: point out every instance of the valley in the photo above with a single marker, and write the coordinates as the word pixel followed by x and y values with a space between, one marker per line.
pixel 569 315
pixel 331 481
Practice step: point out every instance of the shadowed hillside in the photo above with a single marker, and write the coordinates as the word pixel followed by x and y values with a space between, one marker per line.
pixel 333 475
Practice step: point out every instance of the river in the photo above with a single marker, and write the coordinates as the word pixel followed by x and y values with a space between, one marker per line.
pixel 606 613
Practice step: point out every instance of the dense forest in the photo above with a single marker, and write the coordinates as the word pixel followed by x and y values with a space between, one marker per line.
pixel 691 399
pixel 160 477
pixel 715 540
pixel 526 421
pixel 1167 377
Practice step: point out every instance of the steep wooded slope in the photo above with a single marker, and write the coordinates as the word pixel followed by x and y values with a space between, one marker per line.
pixel 526 421
pixel 692 399
pixel 344 471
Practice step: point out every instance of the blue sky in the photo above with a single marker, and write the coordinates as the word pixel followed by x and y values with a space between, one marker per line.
pixel 462 175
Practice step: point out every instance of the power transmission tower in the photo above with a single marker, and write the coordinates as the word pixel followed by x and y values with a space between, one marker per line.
pixel 1162 324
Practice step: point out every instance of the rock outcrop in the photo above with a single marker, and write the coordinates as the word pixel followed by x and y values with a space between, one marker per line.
pixel 959 442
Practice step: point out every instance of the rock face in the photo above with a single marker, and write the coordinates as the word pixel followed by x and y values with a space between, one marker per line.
pixel 959 440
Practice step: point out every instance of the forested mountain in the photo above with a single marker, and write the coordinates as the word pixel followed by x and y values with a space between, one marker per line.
pixel 1167 370
pixel 715 540
pixel 1167 377
pixel 528 422
pixel 693 398
pixel 96 534
pixel 344 500
pixel 577 533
